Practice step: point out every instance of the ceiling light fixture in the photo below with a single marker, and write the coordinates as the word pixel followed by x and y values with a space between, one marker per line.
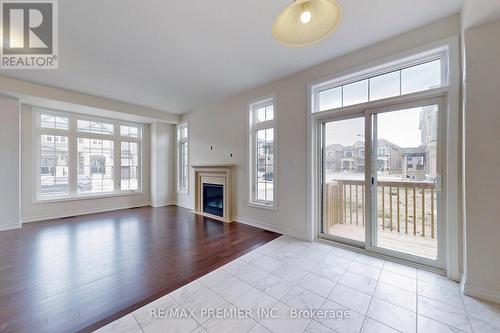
pixel 306 22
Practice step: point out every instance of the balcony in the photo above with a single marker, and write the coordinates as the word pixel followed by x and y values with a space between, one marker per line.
pixel 406 214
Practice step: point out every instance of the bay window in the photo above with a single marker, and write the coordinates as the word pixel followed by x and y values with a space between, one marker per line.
pixel 78 156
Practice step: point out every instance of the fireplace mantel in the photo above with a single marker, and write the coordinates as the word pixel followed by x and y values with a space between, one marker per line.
pixel 220 174
pixel 206 166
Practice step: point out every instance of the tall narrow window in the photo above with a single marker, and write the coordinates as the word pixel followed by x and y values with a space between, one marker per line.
pixel 182 158
pixel 262 153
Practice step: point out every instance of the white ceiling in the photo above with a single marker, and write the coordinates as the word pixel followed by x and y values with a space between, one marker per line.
pixel 178 55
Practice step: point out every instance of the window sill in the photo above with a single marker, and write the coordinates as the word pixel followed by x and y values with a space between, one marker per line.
pixel 263 205
pixel 186 192
pixel 88 197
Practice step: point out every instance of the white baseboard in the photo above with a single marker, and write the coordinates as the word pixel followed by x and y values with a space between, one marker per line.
pixel 10 226
pixel 30 219
pixel 481 293
pixel 183 206
pixel 265 226
pixel 162 204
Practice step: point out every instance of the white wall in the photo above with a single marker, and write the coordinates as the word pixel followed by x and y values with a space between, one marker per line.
pixel 9 166
pixel 32 211
pixel 482 160
pixel 162 164
pixel 224 126
pixel 476 12
pixel 50 97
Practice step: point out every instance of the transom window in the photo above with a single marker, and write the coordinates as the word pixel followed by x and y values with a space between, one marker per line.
pixel 79 156
pixel 425 74
pixel 262 153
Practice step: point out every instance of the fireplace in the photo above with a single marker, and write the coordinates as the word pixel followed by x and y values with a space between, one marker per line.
pixel 213 199
pixel 213 191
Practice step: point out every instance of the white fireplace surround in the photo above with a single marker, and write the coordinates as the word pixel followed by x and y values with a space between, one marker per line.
pixel 219 174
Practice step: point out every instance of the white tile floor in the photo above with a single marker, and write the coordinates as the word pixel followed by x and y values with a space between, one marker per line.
pixel 287 273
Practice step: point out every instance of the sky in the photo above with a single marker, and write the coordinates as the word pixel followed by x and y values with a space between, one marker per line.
pixel 398 127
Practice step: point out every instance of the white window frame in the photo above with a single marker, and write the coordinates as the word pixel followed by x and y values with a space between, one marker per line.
pixel 253 127
pixel 448 50
pixel 378 70
pixel 73 135
pixel 180 142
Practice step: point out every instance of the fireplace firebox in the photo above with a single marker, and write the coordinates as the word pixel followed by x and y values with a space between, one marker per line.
pixel 213 199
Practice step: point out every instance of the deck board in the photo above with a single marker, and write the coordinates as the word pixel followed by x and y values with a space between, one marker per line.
pixel 417 245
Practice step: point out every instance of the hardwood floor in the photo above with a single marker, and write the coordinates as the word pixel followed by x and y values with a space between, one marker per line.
pixel 80 273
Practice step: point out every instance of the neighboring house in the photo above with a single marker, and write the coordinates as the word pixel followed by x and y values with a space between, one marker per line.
pixel 419 164
pixel 354 157
pixel 414 162
pixel 53 156
pixel 265 157
pixel 333 156
pixel 388 157
pixel 428 131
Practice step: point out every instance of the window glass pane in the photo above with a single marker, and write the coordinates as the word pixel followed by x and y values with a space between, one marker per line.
pixel 129 131
pixel 96 127
pixel 83 126
pixel 384 86
pixel 182 158
pixel 48 121
pixel 330 99
pixel 270 112
pixel 184 167
pixel 124 130
pixel 264 165
pixel 107 128
pixel 54 166
pixel 422 77
pixel 261 114
pixel 355 93
pixel 264 113
pixel 95 165
pixel 129 166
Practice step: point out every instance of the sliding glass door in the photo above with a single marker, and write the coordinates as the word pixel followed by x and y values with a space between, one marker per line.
pixel 406 170
pixel 381 173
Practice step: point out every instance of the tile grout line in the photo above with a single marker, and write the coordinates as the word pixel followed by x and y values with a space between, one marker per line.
pixel 371 299
pixel 467 313
pixel 138 324
pixel 416 305
pixel 325 299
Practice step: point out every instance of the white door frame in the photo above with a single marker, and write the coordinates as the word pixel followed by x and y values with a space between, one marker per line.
pixel 432 97
pixel 452 169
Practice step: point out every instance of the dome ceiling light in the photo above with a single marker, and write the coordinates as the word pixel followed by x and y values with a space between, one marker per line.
pixel 306 22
